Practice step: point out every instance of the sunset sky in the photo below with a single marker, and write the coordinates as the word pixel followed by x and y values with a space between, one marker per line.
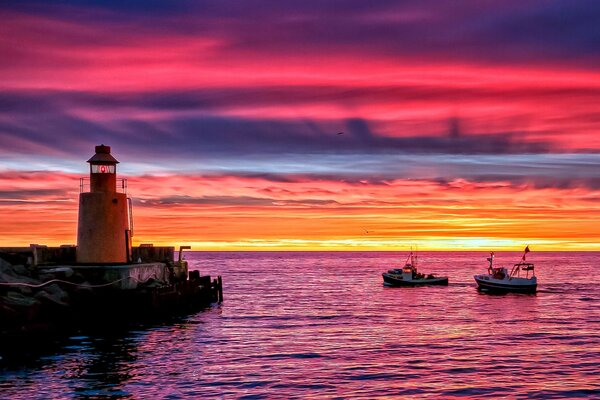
pixel 469 124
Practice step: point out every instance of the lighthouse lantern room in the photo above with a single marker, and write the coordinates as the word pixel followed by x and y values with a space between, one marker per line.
pixel 103 230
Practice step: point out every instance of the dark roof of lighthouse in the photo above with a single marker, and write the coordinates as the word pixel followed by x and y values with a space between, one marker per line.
pixel 102 156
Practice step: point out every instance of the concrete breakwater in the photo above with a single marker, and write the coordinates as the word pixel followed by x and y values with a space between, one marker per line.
pixel 42 289
pixel 104 278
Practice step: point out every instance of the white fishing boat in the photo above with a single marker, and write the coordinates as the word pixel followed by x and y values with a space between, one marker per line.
pixel 409 276
pixel 521 277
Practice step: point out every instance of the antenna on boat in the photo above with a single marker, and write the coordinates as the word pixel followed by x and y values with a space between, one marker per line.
pixel 491 260
pixel 416 254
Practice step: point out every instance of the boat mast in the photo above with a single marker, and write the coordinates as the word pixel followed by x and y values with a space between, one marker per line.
pixel 416 255
pixel 525 254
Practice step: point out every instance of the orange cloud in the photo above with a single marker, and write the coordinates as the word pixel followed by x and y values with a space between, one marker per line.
pixel 235 213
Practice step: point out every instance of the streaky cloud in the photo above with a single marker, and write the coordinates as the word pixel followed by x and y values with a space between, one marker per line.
pixel 507 32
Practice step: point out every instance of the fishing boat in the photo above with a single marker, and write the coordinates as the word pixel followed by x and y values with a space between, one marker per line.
pixel 409 276
pixel 501 280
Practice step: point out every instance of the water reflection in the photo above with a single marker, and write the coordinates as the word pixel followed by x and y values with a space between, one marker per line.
pixel 108 364
pixel 91 364
pixel 322 325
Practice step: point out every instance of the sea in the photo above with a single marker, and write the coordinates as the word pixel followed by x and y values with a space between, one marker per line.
pixel 321 325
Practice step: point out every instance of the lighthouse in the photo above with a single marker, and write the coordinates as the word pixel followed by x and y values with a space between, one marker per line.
pixel 104 228
pixel 119 282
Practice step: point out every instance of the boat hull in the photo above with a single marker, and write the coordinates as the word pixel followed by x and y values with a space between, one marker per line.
pixel 392 280
pixel 497 285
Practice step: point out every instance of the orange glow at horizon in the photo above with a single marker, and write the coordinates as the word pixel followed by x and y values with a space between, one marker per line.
pixel 226 213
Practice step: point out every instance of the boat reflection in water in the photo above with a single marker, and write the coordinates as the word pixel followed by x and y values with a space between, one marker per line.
pixel 409 276
pixel 500 280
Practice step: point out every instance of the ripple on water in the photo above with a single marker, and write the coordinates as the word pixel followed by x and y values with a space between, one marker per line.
pixel 321 325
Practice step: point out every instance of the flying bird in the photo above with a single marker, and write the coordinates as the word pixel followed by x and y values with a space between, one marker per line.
pixel 340 133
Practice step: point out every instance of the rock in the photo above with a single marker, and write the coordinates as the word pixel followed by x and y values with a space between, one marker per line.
pixel 51 299
pixel 19 309
pixel 84 287
pixel 45 277
pixel 14 270
pixel 82 294
pixel 58 273
pixel 20 270
pixel 68 272
pixel 4 265
pixel 25 290
pixel 9 276
pixel 78 278
pixel 19 300
pixel 56 292
pixel 152 283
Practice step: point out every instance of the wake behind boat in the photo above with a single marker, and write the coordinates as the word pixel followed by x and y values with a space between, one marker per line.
pixel 409 276
pixel 500 280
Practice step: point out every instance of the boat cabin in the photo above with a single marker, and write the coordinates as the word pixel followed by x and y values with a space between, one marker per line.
pixel 408 272
pixel 517 268
pixel 499 273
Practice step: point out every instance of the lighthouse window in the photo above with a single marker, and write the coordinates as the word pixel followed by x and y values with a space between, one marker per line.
pixel 103 169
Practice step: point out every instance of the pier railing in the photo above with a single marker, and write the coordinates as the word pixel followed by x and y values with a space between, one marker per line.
pixel 84 185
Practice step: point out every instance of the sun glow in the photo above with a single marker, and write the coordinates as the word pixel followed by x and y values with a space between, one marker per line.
pixel 245 213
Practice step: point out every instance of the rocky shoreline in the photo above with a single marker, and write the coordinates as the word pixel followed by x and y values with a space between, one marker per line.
pixel 40 301
pixel 27 304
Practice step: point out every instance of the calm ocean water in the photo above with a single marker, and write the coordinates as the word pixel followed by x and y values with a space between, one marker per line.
pixel 322 325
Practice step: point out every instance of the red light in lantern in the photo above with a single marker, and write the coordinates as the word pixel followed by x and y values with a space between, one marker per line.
pixel 103 169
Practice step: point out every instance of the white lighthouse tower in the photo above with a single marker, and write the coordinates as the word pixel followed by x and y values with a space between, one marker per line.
pixel 103 231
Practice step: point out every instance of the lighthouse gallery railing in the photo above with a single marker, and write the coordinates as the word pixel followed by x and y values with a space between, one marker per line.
pixel 84 185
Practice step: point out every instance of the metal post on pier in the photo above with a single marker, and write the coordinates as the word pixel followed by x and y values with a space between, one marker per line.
pixel 220 288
